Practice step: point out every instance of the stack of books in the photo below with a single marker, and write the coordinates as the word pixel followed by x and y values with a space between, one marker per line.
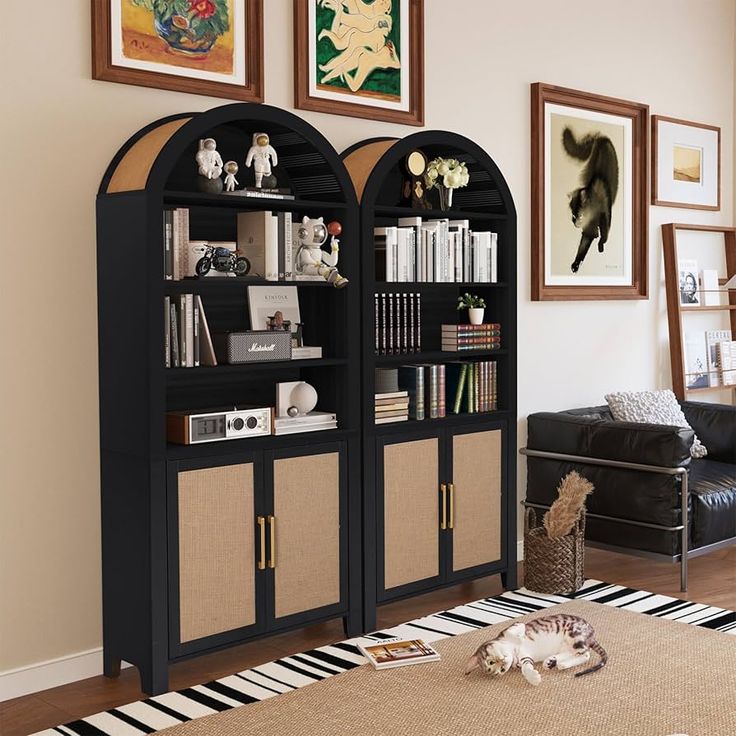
pixel 187 338
pixel 456 338
pixel 441 251
pixel 472 387
pixel 314 421
pixel 391 407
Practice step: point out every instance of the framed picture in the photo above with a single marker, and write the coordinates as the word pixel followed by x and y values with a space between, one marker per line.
pixel 363 59
pixel 686 164
pixel 206 47
pixel 265 301
pixel 589 196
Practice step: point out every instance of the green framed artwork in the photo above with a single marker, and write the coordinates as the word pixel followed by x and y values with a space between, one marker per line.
pixel 364 59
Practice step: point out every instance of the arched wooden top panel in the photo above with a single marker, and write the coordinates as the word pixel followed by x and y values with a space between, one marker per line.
pixel 161 156
pixel 375 166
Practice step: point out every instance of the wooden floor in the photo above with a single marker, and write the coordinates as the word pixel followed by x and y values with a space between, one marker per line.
pixel 712 580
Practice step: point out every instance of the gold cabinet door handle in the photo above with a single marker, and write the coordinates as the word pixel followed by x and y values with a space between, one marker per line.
pixel 451 525
pixel 272 525
pixel 443 491
pixel 262 529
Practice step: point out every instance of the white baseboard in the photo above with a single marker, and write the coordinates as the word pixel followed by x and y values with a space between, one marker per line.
pixel 54 672
pixel 520 550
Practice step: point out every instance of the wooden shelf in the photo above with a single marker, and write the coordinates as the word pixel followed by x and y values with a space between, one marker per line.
pixel 718 308
pixel 197 199
pixel 385 211
pixel 450 419
pixel 437 355
pixel 709 389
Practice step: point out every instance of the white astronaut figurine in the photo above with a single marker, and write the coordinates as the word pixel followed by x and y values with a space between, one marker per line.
pixel 208 159
pixel 262 155
pixel 311 260
pixel 231 168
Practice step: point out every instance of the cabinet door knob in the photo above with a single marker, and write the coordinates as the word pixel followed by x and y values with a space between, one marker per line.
pixel 451 525
pixel 262 529
pixel 272 525
pixel 443 491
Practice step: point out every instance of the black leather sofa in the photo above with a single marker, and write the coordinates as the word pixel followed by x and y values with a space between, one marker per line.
pixel 638 471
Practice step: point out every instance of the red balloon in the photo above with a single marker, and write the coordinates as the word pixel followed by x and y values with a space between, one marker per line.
pixel 334 228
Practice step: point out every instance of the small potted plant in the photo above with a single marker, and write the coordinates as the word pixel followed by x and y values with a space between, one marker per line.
pixel 475 305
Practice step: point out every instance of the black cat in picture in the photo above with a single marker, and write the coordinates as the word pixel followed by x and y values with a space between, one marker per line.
pixel 592 202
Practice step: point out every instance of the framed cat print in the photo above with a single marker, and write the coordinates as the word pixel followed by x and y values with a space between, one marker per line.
pixel 589 196
pixel 206 47
pixel 686 164
pixel 363 59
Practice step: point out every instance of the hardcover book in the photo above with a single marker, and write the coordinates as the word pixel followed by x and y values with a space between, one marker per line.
pixel 265 301
pixel 398 653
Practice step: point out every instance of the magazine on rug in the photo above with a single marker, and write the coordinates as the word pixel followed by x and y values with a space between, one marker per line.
pixel 399 652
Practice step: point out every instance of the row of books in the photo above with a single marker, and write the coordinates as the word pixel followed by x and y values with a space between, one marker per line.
pixel 430 391
pixel 398 323
pixel 458 338
pixel 707 364
pixel 440 251
pixel 187 338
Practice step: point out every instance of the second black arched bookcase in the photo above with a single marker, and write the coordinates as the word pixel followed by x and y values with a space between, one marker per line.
pixel 439 495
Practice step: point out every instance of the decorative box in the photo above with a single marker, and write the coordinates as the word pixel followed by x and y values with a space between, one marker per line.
pixel 253 346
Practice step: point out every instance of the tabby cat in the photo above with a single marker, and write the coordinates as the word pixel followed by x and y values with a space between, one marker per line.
pixel 591 203
pixel 561 641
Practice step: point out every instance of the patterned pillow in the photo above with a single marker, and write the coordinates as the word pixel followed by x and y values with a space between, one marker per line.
pixel 652 407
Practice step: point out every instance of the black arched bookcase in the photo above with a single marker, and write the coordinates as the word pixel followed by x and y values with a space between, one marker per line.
pixel 439 494
pixel 207 545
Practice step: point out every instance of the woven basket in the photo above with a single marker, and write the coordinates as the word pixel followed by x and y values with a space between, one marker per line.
pixel 553 565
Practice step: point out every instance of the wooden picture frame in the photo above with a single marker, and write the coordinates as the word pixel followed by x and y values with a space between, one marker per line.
pixel 616 201
pixel 673 187
pixel 336 97
pixel 127 51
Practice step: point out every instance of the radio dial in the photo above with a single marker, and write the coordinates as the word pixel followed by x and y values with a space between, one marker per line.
pixel 238 423
pixel 252 422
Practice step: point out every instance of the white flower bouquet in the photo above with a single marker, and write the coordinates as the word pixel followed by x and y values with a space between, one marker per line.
pixel 446 174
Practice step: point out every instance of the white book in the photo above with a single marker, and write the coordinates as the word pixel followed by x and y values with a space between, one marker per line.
pixel 415 223
pixel 391 236
pixel 190 329
pixel 432 230
pixel 182 331
pixel 306 352
pixel 712 338
pixel 442 273
pixel 272 248
pixel 726 356
pixel 711 289
pixel 252 237
pixel 402 254
pixel 312 417
pixel 462 228
pixel 696 361
pixel 494 258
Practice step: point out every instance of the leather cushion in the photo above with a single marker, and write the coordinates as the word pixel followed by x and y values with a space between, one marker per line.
pixel 713 502
pixel 716 426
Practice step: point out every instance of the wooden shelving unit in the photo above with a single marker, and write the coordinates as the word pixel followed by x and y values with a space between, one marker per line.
pixel 676 312
pixel 415 472
pixel 165 562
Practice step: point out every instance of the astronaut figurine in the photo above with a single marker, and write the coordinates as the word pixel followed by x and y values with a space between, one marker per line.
pixel 209 167
pixel 311 260
pixel 231 168
pixel 262 155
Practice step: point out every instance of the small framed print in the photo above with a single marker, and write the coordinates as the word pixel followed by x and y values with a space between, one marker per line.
pixel 686 164
pixel 363 59
pixel 205 47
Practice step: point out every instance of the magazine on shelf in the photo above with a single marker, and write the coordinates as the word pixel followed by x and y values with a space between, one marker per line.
pixel 398 653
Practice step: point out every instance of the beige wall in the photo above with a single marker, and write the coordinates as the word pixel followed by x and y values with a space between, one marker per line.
pixel 60 129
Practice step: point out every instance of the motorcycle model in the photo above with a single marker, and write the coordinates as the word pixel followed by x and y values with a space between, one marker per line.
pixel 222 260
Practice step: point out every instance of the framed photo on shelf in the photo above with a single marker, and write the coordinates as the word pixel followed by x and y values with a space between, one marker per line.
pixel 686 164
pixel 589 196
pixel 360 59
pixel 205 47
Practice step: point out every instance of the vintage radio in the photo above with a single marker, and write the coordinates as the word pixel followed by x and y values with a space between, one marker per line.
pixel 252 346
pixel 213 425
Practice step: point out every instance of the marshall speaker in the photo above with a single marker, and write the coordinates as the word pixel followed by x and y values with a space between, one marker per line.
pixel 255 346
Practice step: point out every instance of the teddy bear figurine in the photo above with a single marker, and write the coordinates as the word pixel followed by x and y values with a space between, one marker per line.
pixel 311 260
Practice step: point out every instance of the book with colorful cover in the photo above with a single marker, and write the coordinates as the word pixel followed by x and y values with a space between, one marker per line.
pixel 398 653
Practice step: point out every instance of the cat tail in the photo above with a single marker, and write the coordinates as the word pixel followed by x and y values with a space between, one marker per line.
pixel 581 149
pixel 603 658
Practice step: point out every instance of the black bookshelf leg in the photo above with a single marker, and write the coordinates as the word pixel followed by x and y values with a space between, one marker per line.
pixel 110 664
pixel 352 626
pixel 509 579
pixel 155 679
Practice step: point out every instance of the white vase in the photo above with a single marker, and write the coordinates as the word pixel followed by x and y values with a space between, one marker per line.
pixel 475 315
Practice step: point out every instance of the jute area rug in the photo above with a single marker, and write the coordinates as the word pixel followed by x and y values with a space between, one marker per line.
pixel 662 678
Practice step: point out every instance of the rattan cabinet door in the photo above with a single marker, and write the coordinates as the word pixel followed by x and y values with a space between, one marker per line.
pixel 216 530
pixel 304 541
pixel 475 499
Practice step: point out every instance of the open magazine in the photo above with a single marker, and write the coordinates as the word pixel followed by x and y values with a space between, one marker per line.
pixel 399 652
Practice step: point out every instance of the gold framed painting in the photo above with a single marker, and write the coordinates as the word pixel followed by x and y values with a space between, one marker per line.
pixel 205 47
pixel 589 196
pixel 686 164
pixel 363 59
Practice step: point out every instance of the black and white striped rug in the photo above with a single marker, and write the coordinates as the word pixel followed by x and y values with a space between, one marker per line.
pixel 291 673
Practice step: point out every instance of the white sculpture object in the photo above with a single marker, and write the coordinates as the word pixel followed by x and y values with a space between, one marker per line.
pixel 311 260
pixel 303 399
pixel 208 159
pixel 262 155
pixel 231 168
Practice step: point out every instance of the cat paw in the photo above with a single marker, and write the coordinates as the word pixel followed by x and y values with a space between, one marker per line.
pixel 550 663
pixel 533 677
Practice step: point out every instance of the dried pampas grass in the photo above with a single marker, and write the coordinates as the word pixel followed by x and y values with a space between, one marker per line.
pixel 565 511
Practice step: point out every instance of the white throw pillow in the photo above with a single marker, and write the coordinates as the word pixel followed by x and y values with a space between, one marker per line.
pixel 652 407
